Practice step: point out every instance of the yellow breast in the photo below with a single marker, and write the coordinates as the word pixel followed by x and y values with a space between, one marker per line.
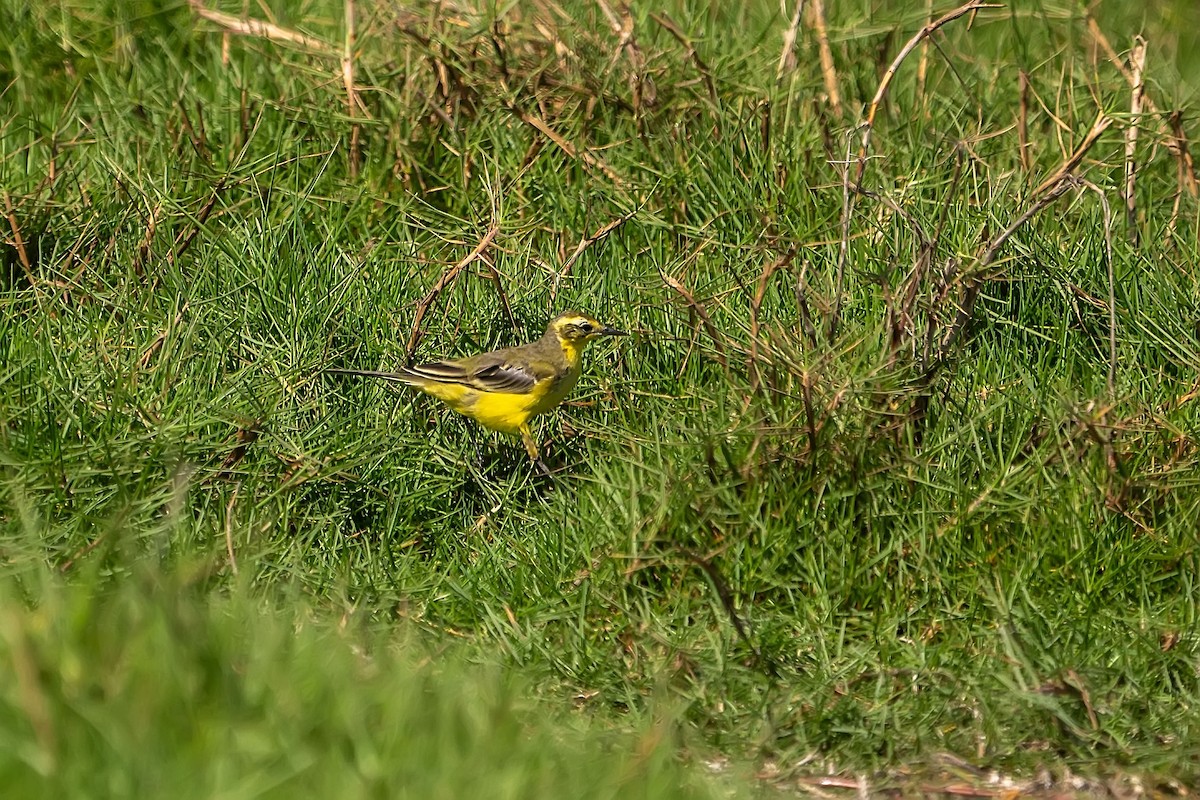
pixel 504 411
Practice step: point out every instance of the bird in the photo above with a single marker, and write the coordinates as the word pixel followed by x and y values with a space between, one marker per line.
pixel 504 389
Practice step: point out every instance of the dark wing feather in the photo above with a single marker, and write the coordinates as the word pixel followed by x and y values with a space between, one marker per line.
pixel 497 371
pixel 504 378
pixel 451 371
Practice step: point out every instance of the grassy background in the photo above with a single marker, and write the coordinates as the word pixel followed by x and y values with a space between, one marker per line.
pixel 225 571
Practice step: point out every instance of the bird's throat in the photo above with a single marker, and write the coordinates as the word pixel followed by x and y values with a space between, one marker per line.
pixel 573 351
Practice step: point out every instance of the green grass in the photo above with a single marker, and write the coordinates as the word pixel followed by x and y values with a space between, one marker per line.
pixel 986 554
pixel 160 688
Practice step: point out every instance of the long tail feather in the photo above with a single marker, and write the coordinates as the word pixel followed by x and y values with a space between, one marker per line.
pixel 403 377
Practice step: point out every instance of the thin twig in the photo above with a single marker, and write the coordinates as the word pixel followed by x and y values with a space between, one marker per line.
pixel 581 155
pixel 1023 119
pixel 1165 122
pixel 495 275
pixel 725 594
pixel 898 312
pixel 705 73
pixel 918 229
pixel 924 265
pixel 233 567
pixel 196 137
pixel 585 243
pixel 787 59
pixel 260 29
pixel 18 241
pixel 1112 291
pixel 865 130
pixel 185 238
pixel 923 61
pixel 711 329
pixel 1068 166
pixel 1102 41
pixel 989 255
pixel 352 100
pixel 843 243
pixel 810 419
pixel 143 253
pixel 1180 142
pixel 760 294
pixel 1185 173
pixel 974 278
pixel 1137 60
pixel 81 552
pixel 1112 298
pixel 975 275
pixel 623 30
pixel 881 91
pixel 448 277
pixel 642 86
pixel 825 53
pixel 806 323
pixel 162 337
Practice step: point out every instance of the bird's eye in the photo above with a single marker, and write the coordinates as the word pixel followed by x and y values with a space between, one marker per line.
pixel 586 327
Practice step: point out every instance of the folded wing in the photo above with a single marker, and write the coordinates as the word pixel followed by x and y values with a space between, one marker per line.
pixel 486 375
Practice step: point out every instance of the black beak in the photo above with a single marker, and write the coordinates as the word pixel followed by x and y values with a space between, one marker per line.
pixel 609 330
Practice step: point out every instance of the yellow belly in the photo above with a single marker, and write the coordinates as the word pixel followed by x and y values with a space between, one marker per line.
pixel 502 411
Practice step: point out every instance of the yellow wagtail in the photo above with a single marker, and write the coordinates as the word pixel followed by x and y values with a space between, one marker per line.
pixel 504 389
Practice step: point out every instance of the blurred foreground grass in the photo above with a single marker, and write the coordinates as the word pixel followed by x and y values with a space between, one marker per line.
pixel 158 688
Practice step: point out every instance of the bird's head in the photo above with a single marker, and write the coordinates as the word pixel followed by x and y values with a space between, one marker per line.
pixel 573 327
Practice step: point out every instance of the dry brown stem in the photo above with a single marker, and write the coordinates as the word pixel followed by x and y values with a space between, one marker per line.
pixel 760 294
pixel 1068 166
pixel 705 319
pixel 587 158
pixel 843 243
pixel 806 323
pixel 448 277
pixel 1185 171
pixel 185 238
pixel 1179 145
pixel 1112 291
pixel 975 277
pixel 1102 41
pixel 825 53
pixel 353 102
pixel 923 61
pixel 865 130
pixel 261 29
pixel 1023 120
pixel 1137 60
pixel 18 241
pixel 622 28
pixel 787 56
pixel 890 73
pixel 499 284
pixel 584 243
pixel 161 339
pixel 233 567
pixel 143 254
pixel 705 73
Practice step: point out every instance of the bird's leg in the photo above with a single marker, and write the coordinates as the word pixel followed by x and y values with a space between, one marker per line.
pixel 532 448
pixel 477 448
pixel 529 442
